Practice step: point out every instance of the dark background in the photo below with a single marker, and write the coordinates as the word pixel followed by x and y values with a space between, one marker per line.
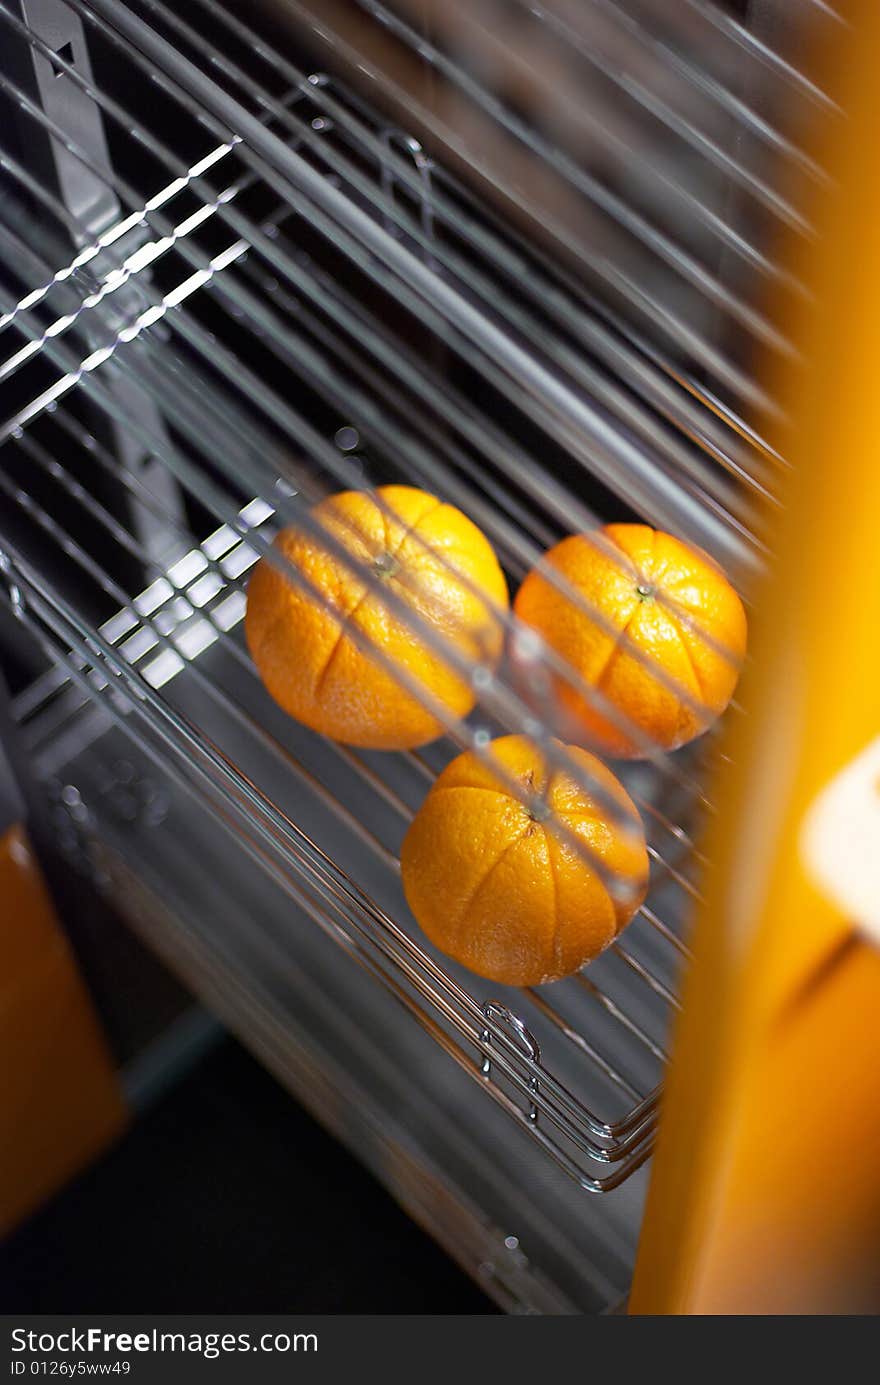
pixel 227 1197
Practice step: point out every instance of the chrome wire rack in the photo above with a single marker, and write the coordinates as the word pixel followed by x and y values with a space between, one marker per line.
pixel 231 284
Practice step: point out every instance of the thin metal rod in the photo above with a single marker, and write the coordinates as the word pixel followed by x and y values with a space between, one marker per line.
pixel 258 93
pixel 407 813
pixel 654 852
pixel 464 735
pixel 216 201
pixel 373 779
pixel 202 612
pixel 674 874
pixel 146 697
pixel 178 731
pixel 755 124
pixel 415 759
pixel 318 194
pixel 573 1037
pixel 245 230
pixel 665 931
pixel 521 277
pixel 304 134
pixel 136 486
pixel 749 42
pixel 176 591
pixel 651 100
pixel 584 981
pixel 522 264
pixel 216 694
pixel 648 977
pixel 376 783
pixel 299 429
pixel 123 629
pixel 558 294
pixel 600 1153
pixel 671 253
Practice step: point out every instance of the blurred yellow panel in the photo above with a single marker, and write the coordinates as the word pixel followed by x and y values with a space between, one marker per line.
pixel 59 1093
pixel 765 1196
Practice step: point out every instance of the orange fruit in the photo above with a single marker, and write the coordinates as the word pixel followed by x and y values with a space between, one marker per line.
pixel 645 591
pixel 305 645
pixel 496 888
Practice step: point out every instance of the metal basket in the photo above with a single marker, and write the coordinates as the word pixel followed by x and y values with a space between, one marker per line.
pixel 232 284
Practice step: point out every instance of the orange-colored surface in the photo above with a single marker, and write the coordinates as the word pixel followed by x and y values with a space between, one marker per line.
pixel 429 555
pixel 801 1229
pixel 497 889
pixel 59 1096
pixel 673 605
pixel 765 1194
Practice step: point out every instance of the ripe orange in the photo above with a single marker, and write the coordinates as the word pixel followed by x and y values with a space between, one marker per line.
pixel 493 885
pixel 426 552
pixel 651 593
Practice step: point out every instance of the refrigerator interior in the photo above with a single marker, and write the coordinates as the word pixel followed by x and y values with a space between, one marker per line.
pixel 516 254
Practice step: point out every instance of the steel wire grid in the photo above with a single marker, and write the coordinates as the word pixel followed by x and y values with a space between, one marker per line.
pixel 307 166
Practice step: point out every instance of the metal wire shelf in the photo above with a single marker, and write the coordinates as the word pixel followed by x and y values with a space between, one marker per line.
pixel 553 301
pixel 235 238
pixel 98 665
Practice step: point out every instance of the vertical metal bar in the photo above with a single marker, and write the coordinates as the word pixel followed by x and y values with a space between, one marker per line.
pixel 571 416
pixel 93 207
pixel 85 195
